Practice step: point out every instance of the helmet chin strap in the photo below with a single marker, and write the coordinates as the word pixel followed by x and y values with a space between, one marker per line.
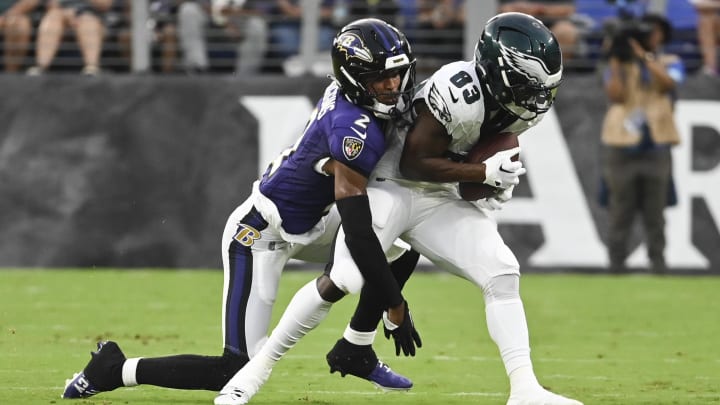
pixel 382 111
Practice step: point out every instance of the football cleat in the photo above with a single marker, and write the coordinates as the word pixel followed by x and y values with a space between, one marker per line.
pixel 541 397
pixel 244 384
pixel 361 361
pixel 233 396
pixel 384 378
pixel 102 373
pixel 78 387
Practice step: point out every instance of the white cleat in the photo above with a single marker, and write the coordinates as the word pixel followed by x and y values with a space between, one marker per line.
pixel 232 396
pixel 243 386
pixel 541 397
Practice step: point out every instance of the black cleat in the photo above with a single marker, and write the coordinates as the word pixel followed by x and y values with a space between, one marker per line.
pixel 102 373
pixel 361 361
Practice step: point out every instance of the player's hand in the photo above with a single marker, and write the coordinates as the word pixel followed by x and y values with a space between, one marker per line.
pixel 504 195
pixel 495 202
pixel 501 171
pixel 405 335
pixel 490 204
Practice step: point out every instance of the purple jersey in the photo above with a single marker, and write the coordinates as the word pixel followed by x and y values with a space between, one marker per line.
pixel 337 130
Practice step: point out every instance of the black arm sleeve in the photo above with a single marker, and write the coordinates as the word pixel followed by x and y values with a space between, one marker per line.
pixel 365 248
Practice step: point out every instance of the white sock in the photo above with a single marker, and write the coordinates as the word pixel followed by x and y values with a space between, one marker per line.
pixel 304 312
pixel 359 338
pixel 508 329
pixel 129 370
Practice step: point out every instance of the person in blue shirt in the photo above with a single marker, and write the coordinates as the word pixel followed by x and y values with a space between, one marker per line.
pixel 294 211
pixel 638 131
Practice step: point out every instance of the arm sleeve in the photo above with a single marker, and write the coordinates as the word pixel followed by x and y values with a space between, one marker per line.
pixel 366 250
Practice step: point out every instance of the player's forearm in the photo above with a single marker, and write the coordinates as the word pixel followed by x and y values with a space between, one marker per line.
pixel 441 170
pixel 366 250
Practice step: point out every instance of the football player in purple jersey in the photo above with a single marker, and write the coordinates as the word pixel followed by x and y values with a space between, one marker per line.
pixel 507 88
pixel 294 211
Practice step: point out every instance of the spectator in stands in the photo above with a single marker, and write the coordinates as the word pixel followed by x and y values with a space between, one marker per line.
pixel 163 29
pixel 163 14
pixel 192 21
pixel 555 14
pixel 85 18
pixel 240 21
pixel 637 133
pixel 179 27
pixel 16 30
pixel 386 10
pixel 708 30
pixel 244 22
pixel 285 28
pixel 440 32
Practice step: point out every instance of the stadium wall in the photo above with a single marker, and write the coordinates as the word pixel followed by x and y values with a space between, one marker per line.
pixel 142 171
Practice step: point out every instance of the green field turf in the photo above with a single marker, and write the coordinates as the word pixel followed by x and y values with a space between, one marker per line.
pixel 601 339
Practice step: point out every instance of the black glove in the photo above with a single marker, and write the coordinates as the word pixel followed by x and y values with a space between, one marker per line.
pixel 406 337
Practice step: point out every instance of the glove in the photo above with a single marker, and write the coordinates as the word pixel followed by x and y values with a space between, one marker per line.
pixel 501 172
pixel 495 202
pixel 490 204
pixel 405 335
pixel 505 195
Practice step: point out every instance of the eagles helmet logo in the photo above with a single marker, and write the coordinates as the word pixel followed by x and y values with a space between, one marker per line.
pixel 353 47
pixel 533 68
pixel 352 147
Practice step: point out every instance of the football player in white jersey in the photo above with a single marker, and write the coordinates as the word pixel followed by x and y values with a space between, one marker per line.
pixel 508 87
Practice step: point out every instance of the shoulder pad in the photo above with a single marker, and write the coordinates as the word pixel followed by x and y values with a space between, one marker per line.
pixel 453 96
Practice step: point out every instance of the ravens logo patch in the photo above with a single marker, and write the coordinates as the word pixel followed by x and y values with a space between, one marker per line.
pixel 352 147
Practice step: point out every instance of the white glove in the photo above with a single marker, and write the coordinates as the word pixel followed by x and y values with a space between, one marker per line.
pixel 501 172
pixel 495 202
pixel 490 204
pixel 505 195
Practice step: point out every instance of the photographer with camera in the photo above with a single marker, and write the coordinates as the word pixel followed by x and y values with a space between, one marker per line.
pixel 638 132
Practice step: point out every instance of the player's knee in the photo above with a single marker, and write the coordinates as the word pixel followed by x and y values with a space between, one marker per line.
pixel 346 276
pixel 502 287
pixel 328 290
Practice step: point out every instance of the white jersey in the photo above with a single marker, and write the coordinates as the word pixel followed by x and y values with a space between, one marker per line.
pixel 454 97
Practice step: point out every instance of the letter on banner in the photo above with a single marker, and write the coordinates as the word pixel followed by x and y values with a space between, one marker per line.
pixel 281 120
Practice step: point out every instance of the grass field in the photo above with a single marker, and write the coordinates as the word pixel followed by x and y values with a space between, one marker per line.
pixel 601 339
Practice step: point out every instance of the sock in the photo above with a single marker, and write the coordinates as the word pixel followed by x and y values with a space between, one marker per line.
pixel 129 370
pixel 304 312
pixel 359 338
pixel 368 312
pixel 508 329
pixel 189 371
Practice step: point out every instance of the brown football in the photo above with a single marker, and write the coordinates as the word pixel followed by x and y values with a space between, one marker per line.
pixel 483 149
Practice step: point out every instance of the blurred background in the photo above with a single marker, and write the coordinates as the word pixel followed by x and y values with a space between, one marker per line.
pixel 166 36
pixel 130 129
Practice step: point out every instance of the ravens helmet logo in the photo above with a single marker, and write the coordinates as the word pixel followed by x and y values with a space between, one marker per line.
pixel 353 47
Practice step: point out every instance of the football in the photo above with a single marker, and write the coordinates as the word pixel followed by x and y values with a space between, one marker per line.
pixel 482 150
